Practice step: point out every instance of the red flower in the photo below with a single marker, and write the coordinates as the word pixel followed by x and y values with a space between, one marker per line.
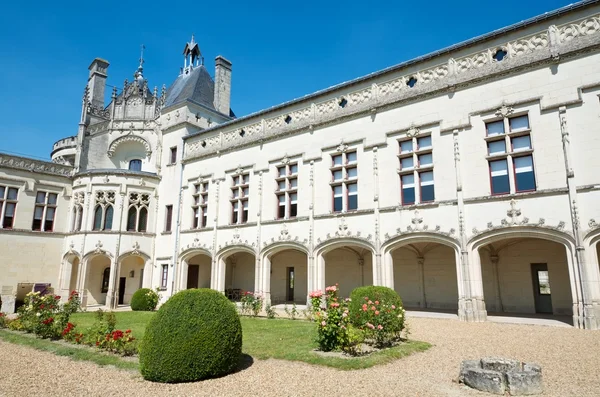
pixel 128 331
pixel 42 306
pixel 1 314
pixel 97 343
pixel 57 297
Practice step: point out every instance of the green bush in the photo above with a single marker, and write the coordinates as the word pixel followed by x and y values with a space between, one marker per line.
pixel 144 300
pixel 379 312
pixel 195 335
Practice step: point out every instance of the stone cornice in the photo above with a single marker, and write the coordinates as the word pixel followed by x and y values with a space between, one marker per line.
pixel 38 166
pixel 37 233
pixel 504 197
pixel 542 48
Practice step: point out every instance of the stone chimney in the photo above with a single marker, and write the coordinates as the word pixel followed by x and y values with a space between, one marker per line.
pixel 97 82
pixel 222 85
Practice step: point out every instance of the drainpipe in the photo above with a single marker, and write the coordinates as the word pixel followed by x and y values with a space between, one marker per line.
pixel 178 224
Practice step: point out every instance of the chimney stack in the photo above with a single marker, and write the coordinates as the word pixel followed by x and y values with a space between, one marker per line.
pixel 97 82
pixel 222 85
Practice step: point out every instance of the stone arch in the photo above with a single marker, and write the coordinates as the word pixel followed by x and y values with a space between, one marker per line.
pixel 201 273
pixel 419 236
pixel 70 273
pixel 191 252
pixel 424 267
pixel 279 246
pixel 284 272
pixel 235 277
pixel 129 138
pixel 510 290
pixel 92 254
pixel 337 242
pixel 141 254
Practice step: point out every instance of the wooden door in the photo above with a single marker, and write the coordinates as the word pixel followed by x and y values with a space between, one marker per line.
pixel 122 282
pixel 193 271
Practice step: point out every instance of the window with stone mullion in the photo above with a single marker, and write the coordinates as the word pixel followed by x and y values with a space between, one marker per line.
pixel 416 170
pixel 287 191
pixel 239 201
pixel 511 171
pixel 200 206
pixel 8 206
pixel 44 211
pixel 344 184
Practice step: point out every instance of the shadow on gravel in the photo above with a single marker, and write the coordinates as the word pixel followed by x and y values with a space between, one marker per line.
pixel 244 363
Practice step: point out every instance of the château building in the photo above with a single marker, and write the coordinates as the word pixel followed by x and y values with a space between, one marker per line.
pixel 466 179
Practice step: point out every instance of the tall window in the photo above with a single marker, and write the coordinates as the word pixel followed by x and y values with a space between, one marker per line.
pixel 45 209
pixel 104 210
pixel 105 280
pixel 200 207
pixel 168 217
pixel 416 170
pixel 164 276
pixel 137 215
pixel 510 155
pixel 78 202
pixel 287 191
pixel 239 198
pixel 8 206
pixel 135 165
pixel 173 158
pixel 344 181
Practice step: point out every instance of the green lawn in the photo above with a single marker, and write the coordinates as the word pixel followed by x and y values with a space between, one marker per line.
pixel 263 339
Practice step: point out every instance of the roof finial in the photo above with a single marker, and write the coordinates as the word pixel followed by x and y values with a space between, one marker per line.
pixel 142 56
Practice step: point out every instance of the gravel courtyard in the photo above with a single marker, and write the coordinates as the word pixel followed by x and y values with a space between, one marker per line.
pixel 570 359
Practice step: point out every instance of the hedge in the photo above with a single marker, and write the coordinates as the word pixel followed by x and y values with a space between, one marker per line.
pixel 144 299
pixel 195 335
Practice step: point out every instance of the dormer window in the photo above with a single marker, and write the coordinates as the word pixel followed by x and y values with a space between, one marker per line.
pixel 135 165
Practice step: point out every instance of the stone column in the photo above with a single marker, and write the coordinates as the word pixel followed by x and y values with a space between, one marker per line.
pixel 388 270
pixel 183 275
pixel 266 280
pixel 320 273
pixel 82 281
pixel 423 300
pixel 111 295
pixel 472 308
pixel 496 272
pixel 220 275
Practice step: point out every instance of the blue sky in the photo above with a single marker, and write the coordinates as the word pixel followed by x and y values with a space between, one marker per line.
pixel 280 50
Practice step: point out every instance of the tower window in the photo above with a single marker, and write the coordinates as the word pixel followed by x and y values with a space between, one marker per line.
pixel 135 165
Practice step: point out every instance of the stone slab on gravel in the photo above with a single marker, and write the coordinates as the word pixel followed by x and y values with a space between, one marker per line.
pixel 568 356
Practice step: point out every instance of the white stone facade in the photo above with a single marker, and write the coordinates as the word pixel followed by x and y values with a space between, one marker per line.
pixel 466 180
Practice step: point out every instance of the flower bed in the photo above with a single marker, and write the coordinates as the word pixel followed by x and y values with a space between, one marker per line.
pixel 47 318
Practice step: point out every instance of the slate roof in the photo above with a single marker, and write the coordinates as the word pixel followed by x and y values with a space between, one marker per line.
pixel 196 86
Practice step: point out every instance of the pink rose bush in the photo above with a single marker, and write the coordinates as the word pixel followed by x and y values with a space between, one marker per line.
pixel 331 315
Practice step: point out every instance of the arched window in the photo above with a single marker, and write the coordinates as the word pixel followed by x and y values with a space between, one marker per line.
pixel 131 219
pixel 143 221
pixel 105 280
pixel 108 217
pixel 74 220
pixel 135 165
pixel 98 218
pixel 79 218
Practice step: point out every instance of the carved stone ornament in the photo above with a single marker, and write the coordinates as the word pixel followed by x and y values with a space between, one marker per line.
pixel 99 249
pixel 136 249
pixel 237 240
pixel 285 160
pixel 129 138
pixel 413 131
pixel 512 220
pixel 72 248
pixel 344 231
pixel 195 245
pixel 342 147
pixel 504 111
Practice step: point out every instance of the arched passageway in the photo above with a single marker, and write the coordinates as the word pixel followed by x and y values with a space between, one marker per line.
pixel 198 271
pixel 526 275
pixel 349 265
pixel 131 278
pixel 425 275
pixel 96 280
pixel 286 274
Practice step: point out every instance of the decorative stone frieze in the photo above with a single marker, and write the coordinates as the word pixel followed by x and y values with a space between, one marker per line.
pixel 44 167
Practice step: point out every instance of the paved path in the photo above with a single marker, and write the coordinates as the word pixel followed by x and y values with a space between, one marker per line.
pixel 570 360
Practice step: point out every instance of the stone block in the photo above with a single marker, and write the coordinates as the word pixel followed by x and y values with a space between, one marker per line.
pixel 524 383
pixel 484 380
pixel 499 364
pixel 8 304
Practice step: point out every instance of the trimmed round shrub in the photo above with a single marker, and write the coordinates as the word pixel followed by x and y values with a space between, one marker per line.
pixel 144 299
pixel 386 296
pixel 195 335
